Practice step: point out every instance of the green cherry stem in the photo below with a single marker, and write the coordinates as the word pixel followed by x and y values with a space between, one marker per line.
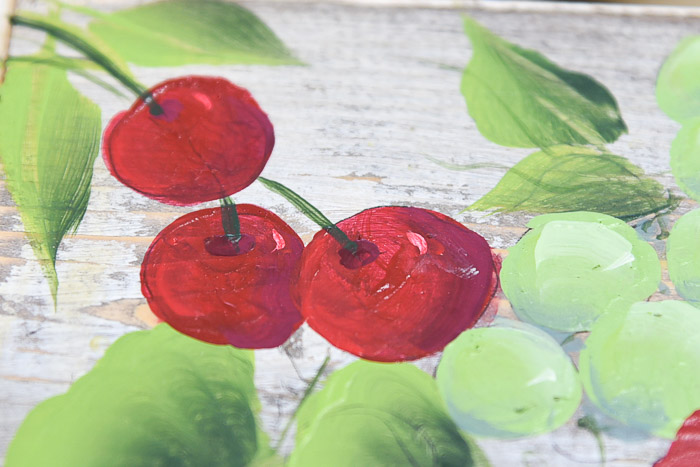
pixel 311 212
pixel 64 35
pixel 229 219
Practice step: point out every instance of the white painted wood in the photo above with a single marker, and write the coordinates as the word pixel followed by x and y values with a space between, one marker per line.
pixel 379 94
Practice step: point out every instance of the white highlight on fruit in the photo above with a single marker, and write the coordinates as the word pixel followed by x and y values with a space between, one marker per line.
pixel 418 241
pixel 279 240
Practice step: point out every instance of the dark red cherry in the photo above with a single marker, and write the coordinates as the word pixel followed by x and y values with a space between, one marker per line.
pixel 204 286
pixel 206 139
pixel 418 280
pixel 685 450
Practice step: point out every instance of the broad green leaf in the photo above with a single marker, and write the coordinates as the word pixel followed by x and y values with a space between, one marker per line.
pixel 179 32
pixel 678 86
pixel 519 98
pixel 49 139
pixel 685 158
pixel 380 415
pixel 567 178
pixel 156 398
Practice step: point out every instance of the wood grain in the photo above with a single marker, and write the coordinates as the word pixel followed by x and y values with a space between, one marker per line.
pixel 354 127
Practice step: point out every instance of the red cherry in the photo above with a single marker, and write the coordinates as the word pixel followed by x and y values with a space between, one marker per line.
pixel 204 286
pixel 430 279
pixel 685 450
pixel 210 140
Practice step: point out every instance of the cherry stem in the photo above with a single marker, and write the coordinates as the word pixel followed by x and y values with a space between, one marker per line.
pixel 307 393
pixel 311 212
pixel 93 54
pixel 229 220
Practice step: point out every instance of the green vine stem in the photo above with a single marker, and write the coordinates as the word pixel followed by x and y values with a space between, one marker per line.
pixel 94 54
pixel 229 219
pixel 311 212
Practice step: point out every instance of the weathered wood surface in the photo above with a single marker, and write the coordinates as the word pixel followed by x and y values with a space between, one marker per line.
pixel 354 127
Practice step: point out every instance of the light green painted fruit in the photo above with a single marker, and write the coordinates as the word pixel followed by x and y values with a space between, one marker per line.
pixel 508 380
pixel 678 87
pixel 641 365
pixel 571 267
pixel 683 255
pixel 685 158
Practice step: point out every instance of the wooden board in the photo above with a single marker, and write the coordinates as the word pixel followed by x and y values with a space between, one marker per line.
pixel 354 130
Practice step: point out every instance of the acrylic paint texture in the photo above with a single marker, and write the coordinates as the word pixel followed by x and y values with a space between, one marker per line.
pixel 432 279
pixel 155 398
pixel 507 381
pixel 194 278
pixel 203 139
pixel 570 268
pixel 683 257
pixel 639 365
pixel 377 414
pixel 685 450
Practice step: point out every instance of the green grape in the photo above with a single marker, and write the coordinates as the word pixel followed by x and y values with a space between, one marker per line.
pixel 571 267
pixel 641 365
pixel 507 381
pixel 685 158
pixel 683 255
pixel 678 87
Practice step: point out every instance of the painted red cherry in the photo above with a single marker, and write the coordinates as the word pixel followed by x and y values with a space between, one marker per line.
pixel 417 281
pixel 204 286
pixel 206 140
pixel 685 450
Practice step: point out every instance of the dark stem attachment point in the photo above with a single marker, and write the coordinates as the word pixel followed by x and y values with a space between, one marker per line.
pixel 312 213
pixel 232 243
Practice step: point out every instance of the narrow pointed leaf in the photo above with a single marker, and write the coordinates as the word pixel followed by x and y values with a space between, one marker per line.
pixel 678 86
pixel 567 178
pixel 179 32
pixel 380 415
pixel 156 398
pixel 49 139
pixel 519 98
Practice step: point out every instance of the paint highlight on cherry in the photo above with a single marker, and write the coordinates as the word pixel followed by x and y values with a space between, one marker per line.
pixel 431 279
pixel 208 140
pixel 212 289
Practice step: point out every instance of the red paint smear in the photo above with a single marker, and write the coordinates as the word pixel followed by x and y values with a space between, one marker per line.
pixel 685 450
pixel 404 305
pixel 243 300
pixel 212 140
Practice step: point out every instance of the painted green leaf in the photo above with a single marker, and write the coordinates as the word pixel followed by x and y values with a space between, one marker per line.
pixel 678 86
pixel 685 158
pixel 179 32
pixel 156 398
pixel 567 178
pixel 519 98
pixel 50 137
pixel 380 415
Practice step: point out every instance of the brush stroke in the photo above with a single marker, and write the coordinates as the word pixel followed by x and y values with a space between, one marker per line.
pixel 195 282
pixel 566 271
pixel 677 85
pixel 180 32
pixel 685 158
pixel 155 398
pixel 207 140
pixel 507 381
pixel 418 280
pixel 567 178
pixel 683 256
pixel 641 365
pixel 519 98
pixel 685 450
pixel 380 415
pixel 49 143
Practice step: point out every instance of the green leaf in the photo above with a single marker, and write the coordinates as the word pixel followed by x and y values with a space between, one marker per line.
pixel 50 139
pixel 156 398
pixel 678 86
pixel 380 415
pixel 179 32
pixel 519 98
pixel 567 178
